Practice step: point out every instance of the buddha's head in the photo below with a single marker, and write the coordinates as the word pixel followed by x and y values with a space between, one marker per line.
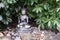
pixel 23 11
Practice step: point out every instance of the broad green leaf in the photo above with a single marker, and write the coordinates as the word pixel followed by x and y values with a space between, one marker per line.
pixel 42 26
pixel 49 24
pixel 46 6
pixel 5 21
pixel 58 9
pixel 57 0
pixel 7 13
pixel 33 1
pixel 1 5
pixel 37 9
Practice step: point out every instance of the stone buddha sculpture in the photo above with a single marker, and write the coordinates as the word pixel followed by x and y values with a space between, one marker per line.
pixel 23 19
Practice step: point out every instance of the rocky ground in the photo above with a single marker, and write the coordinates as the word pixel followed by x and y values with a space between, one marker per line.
pixel 35 35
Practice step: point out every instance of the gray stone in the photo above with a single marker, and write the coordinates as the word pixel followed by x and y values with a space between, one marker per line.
pixel 1 34
pixel 56 37
pixel 24 30
pixel 5 38
pixel 58 27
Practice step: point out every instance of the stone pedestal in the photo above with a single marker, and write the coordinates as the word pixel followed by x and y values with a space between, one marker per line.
pixel 24 29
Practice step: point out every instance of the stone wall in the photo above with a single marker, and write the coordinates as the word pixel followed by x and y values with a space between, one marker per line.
pixel 35 35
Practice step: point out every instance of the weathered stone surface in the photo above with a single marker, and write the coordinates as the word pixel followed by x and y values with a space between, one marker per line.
pixel 56 37
pixel 58 27
pixel 35 35
pixel 5 38
pixel 25 36
pixel 1 34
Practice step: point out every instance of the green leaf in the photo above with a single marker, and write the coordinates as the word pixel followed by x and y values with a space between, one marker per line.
pixel 33 1
pixel 1 18
pixel 50 24
pixel 57 0
pixel 42 26
pixel 5 21
pixel 7 13
pixel 37 9
pixel 46 6
pixel 58 9
pixel 1 5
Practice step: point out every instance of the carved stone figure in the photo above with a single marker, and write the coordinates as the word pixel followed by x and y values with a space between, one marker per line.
pixel 23 19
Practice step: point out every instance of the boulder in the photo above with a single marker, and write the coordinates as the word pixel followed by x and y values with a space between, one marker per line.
pixel 56 37
pixel 6 38
pixel 58 27
pixel 1 34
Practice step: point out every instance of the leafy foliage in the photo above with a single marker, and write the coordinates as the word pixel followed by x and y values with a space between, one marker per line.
pixel 45 12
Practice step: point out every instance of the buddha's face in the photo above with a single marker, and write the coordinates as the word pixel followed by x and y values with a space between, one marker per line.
pixel 23 11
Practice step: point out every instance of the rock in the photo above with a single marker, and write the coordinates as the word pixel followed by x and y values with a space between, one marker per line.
pixel 25 36
pixel 58 27
pixel 6 38
pixel 17 38
pixel 35 36
pixel 56 37
pixel 42 35
pixel 8 35
pixel 1 34
pixel 5 32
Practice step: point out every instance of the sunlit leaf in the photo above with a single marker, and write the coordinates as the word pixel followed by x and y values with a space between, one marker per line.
pixel 1 18
pixel 49 24
pixel 1 5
